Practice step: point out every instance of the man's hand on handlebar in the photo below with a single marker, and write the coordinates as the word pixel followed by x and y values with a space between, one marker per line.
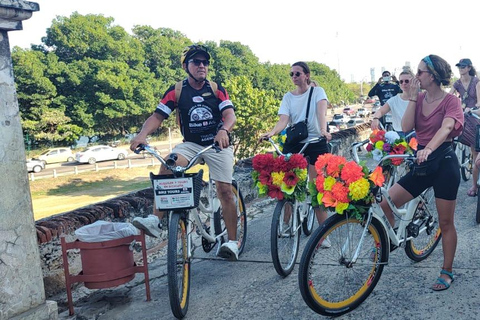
pixel 265 136
pixel 137 140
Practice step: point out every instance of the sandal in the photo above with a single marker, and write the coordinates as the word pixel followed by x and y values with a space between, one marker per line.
pixel 472 192
pixel 441 283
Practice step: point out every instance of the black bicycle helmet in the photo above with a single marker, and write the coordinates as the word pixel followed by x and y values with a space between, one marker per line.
pixel 192 50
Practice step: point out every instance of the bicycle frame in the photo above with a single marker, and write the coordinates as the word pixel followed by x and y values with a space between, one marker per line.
pixel 194 222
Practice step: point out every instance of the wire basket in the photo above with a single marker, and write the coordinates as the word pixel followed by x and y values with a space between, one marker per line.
pixel 172 193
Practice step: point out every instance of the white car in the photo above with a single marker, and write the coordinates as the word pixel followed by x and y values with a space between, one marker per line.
pixel 100 153
pixel 35 165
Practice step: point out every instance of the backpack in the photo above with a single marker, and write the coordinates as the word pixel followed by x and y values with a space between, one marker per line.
pixel 178 92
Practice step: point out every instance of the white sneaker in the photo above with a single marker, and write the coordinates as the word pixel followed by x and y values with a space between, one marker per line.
pixel 325 243
pixel 149 224
pixel 229 250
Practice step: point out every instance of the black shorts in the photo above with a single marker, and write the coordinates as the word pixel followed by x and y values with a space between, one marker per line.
pixel 445 181
pixel 312 151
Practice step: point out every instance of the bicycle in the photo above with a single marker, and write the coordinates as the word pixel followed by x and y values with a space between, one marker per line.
pixel 464 155
pixel 285 228
pixel 192 207
pixel 336 281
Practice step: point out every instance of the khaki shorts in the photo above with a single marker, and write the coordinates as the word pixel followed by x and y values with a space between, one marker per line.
pixel 220 165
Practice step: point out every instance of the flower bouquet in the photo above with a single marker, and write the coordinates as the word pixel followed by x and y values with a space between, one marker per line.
pixel 280 177
pixel 345 186
pixel 384 143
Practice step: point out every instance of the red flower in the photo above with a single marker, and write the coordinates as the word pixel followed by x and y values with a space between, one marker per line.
pixel 377 135
pixel 399 149
pixel 297 161
pixel 369 147
pixel 290 179
pixel 319 180
pixel 275 192
pixel 265 178
pixel 263 162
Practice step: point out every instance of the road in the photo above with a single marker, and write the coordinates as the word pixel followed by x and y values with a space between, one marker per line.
pixel 251 289
pixel 65 168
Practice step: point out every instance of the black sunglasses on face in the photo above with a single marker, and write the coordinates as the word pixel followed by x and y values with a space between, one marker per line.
pixel 419 72
pixel 462 67
pixel 197 62
pixel 406 81
pixel 296 74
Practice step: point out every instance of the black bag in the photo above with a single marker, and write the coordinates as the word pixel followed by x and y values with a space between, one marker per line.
pixel 431 165
pixel 469 130
pixel 299 130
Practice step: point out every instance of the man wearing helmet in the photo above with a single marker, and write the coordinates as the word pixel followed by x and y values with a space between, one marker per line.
pixel 205 117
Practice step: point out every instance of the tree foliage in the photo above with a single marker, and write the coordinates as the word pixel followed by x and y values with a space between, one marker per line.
pixel 90 77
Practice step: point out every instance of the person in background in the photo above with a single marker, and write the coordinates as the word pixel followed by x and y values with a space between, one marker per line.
pixel 437 118
pixel 385 88
pixel 293 109
pixel 396 104
pixel 468 89
pixel 205 117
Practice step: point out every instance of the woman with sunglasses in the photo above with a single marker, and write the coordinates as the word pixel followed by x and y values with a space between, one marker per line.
pixel 396 104
pixel 437 118
pixel 293 109
pixel 468 89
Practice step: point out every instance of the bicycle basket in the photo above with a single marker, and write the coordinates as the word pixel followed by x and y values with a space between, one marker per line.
pixel 173 193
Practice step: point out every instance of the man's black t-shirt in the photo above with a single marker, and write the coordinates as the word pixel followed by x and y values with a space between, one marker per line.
pixel 200 111
pixel 384 91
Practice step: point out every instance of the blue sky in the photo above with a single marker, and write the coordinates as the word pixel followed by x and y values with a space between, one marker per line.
pixel 350 36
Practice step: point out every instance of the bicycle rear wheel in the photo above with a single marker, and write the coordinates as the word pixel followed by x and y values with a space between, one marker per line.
pixel 309 221
pixel 424 228
pixel 332 284
pixel 284 238
pixel 219 224
pixel 466 164
pixel 178 264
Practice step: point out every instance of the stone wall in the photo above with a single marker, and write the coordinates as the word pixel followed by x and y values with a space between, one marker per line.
pixel 140 203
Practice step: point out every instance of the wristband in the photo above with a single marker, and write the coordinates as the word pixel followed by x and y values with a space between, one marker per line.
pixel 376 118
pixel 222 128
pixel 431 150
pixel 413 100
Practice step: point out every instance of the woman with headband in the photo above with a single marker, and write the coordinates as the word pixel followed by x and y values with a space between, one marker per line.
pixel 437 117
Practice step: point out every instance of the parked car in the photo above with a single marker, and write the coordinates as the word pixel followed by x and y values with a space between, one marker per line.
pixel 363 113
pixel 100 153
pixel 349 111
pixel 56 155
pixel 339 118
pixel 34 165
pixel 354 122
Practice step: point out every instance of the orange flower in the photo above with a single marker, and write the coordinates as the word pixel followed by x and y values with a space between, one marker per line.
pixel 319 181
pixel 322 161
pixel 351 172
pixel 413 143
pixel 334 165
pixel 340 192
pixel 377 177
pixel 328 200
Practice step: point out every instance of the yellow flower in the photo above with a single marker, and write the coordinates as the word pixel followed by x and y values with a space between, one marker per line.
pixel 287 189
pixel 277 178
pixel 341 207
pixel 301 174
pixel 404 143
pixel 319 197
pixel 329 182
pixel 359 189
pixel 283 138
pixel 379 145
pixel 262 188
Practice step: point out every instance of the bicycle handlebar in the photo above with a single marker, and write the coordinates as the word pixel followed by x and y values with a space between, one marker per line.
pixel 171 162
pixel 275 145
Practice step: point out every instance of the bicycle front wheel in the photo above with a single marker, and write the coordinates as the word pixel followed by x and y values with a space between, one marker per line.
pixel 178 264
pixel 424 228
pixel 466 168
pixel 331 282
pixel 219 224
pixel 284 238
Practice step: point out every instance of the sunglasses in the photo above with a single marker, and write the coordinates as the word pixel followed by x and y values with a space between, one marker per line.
pixel 462 67
pixel 406 81
pixel 419 72
pixel 296 74
pixel 197 62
